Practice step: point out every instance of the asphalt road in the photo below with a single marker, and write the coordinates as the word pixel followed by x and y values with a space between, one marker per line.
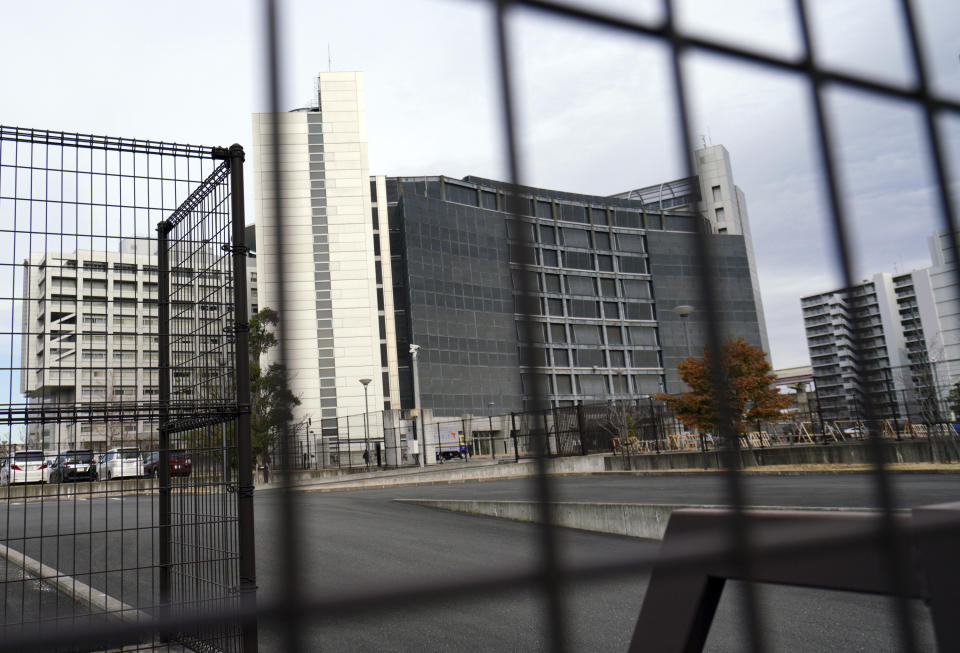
pixel 361 541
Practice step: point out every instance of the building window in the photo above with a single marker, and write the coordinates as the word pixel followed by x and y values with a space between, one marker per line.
pixel 722 230
pixel 576 238
pixel 573 212
pixel 544 209
pixel 610 310
pixel 630 243
pixel 577 285
pixel 592 384
pixel 561 358
pixel 605 263
pixel 588 357
pixel 638 311
pixel 564 385
pixel 551 283
pixel 599 215
pixel 548 235
pixel 719 213
pixel 633 264
pixel 601 239
pixel 579 260
pixel 608 287
pixel 717 197
pixel 614 337
pixel 583 308
pixel 636 289
pixel 558 333
pixel 550 258
pixel 586 334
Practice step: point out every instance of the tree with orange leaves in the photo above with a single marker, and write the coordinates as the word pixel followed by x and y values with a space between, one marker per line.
pixel 749 381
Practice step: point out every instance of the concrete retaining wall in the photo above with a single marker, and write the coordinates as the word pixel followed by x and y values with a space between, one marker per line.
pixel 631 519
pixel 459 472
pixel 85 489
pixel 926 450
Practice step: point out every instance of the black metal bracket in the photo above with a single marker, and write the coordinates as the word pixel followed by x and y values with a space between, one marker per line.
pixel 240 327
pixel 236 249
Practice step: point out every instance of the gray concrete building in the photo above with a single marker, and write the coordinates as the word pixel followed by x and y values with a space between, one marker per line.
pixel 608 272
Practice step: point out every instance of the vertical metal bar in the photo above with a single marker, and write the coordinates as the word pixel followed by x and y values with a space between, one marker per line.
pixel 738 534
pixel 895 546
pixel 245 525
pixel 288 534
pixel 164 532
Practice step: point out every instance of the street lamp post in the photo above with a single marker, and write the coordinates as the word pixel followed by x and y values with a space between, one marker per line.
pixel 414 351
pixel 683 311
pixel 366 425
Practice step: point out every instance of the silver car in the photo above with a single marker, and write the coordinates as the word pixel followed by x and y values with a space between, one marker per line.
pixel 121 462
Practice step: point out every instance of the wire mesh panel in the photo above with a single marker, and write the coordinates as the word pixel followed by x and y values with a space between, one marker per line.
pixel 199 549
pixel 83 464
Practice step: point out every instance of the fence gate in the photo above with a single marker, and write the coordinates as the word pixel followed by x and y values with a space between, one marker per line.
pixel 124 383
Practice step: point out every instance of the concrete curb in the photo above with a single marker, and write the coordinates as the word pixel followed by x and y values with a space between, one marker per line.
pixel 97 601
pixel 647 521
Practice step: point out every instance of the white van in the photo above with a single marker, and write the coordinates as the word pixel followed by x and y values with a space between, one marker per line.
pixel 121 462
pixel 25 467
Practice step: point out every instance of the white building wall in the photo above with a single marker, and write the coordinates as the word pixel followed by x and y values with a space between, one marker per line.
pixel 328 257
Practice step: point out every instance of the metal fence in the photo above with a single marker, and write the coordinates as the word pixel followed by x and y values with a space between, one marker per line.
pixel 124 359
pixel 884 553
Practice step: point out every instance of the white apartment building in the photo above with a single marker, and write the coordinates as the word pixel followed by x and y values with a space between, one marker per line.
pixel 900 368
pixel 331 313
pixel 90 337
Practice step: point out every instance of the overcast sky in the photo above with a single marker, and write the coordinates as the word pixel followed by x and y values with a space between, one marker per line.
pixel 596 109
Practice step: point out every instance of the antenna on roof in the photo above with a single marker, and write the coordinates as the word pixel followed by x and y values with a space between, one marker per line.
pixel 329 60
pixel 703 140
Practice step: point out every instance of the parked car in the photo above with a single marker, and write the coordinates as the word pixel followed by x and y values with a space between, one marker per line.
pixel 24 467
pixel 180 463
pixel 120 463
pixel 74 465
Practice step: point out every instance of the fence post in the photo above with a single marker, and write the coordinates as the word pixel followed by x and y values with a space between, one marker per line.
pixel 163 436
pixel 583 443
pixel 245 526
pixel 513 432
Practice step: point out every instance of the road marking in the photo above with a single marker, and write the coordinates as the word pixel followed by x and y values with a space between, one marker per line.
pixel 95 599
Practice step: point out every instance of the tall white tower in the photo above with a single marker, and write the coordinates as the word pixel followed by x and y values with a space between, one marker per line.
pixel 724 204
pixel 330 313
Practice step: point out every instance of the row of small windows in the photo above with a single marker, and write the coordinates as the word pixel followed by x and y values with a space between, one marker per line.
pixel 577 284
pixel 596 385
pixel 552 258
pixel 592 334
pixel 610 358
pixel 584 308
pixel 571 237
pixel 551 210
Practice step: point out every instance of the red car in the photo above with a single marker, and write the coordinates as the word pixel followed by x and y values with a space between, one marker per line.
pixel 180 463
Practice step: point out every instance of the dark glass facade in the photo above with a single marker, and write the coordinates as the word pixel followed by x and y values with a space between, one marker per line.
pixel 607 273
